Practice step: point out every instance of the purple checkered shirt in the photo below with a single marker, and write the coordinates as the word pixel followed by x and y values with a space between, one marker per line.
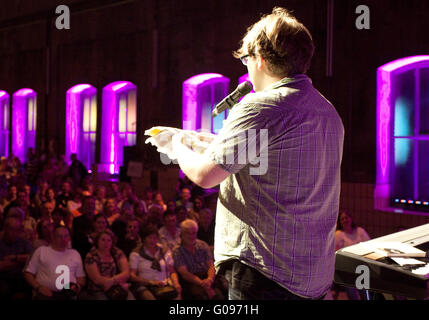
pixel 277 211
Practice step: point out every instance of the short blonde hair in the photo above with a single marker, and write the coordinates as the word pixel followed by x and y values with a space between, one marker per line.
pixel 188 224
pixel 281 40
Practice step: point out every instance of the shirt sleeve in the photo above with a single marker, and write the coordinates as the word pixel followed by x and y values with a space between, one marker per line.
pixel 79 270
pixel 178 258
pixel 237 143
pixel 339 240
pixel 206 248
pixel 363 235
pixel 134 260
pixel 33 263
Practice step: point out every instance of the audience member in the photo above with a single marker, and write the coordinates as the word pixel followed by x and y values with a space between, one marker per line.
pixel 348 234
pixel 32 167
pixel 100 198
pixel 100 224
pixel 185 199
pixel 148 197
pixel 152 268
pixel 193 261
pixel 169 233
pixel 159 201
pixel 5 169
pixel 181 214
pixel 107 267
pixel 140 211
pixel 41 194
pixel 45 230
pixel 206 227
pixel 111 210
pixel 155 216
pixel 75 203
pixel 77 171
pixel 83 226
pixel 14 252
pixel 119 225
pixel 42 271
pixel 132 239
pixel 65 196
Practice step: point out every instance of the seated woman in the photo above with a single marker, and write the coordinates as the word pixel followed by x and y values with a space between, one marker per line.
pixel 348 234
pixel 152 267
pixel 194 263
pixel 100 225
pixel 106 267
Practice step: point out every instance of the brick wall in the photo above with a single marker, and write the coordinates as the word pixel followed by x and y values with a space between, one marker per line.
pixel 358 200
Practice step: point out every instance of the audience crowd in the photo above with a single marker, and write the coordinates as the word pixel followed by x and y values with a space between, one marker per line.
pixel 65 235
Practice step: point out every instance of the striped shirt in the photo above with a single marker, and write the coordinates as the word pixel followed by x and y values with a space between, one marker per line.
pixel 277 211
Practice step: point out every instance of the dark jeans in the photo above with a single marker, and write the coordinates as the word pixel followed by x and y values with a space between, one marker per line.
pixel 246 283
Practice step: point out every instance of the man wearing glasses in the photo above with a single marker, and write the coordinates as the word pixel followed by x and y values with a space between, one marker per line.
pixel 275 227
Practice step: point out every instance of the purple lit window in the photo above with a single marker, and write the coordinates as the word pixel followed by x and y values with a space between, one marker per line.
pixel 81 123
pixel 201 93
pixel 24 122
pixel 4 124
pixel 119 124
pixel 403 135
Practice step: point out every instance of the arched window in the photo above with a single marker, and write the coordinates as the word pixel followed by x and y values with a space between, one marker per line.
pixel 24 122
pixel 119 124
pixel 81 123
pixel 4 123
pixel 201 93
pixel 403 135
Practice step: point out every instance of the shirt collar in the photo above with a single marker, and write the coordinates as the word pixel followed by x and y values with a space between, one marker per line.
pixel 287 81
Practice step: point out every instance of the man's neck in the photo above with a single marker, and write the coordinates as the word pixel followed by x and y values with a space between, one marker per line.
pixel 268 81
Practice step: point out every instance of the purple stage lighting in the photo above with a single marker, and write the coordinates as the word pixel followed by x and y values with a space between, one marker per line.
pixel 201 93
pixel 24 122
pixel 119 124
pixel 4 123
pixel 399 134
pixel 81 123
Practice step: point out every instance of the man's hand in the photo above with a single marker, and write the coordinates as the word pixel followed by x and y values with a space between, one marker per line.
pixel 45 291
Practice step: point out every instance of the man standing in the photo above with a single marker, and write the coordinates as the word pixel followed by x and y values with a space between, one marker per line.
pixel 278 206
pixel 49 263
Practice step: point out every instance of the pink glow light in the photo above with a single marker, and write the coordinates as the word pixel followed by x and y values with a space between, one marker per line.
pixel 74 131
pixel 4 123
pixel 111 148
pixel 21 138
pixel 385 75
pixel 190 87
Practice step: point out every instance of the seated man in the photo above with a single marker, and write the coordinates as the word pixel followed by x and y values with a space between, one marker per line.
pixel 194 263
pixel 14 251
pixel 43 274
pixel 169 233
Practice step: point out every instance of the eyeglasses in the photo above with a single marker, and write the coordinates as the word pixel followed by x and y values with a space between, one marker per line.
pixel 244 59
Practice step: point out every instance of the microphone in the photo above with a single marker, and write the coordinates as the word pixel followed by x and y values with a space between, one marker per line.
pixel 230 100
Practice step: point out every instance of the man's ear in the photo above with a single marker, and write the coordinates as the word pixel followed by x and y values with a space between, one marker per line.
pixel 260 62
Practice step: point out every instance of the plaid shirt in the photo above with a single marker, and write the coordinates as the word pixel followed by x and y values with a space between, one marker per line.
pixel 277 211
